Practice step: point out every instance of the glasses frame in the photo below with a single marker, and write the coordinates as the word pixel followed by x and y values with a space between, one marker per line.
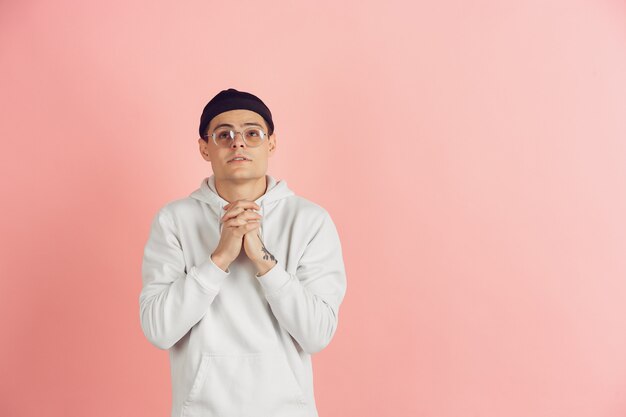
pixel 232 138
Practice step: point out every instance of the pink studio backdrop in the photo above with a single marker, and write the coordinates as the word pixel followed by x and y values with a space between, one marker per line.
pixel 472 155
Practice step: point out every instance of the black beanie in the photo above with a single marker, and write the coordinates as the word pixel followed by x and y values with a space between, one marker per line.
pixel 232 99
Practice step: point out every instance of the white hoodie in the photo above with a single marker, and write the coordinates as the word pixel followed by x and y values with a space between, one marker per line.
pixel 240 344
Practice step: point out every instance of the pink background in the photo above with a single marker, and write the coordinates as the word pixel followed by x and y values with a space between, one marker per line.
pixel 472 155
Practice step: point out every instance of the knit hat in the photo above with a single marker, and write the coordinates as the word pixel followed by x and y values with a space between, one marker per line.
pixel 232 99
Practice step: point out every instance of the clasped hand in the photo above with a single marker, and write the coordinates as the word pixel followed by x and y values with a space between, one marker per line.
pixel 241 229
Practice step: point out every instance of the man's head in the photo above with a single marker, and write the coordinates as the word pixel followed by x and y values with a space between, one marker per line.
pixel 237 111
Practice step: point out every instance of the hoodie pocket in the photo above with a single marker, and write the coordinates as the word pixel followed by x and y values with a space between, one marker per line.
pixel 260 383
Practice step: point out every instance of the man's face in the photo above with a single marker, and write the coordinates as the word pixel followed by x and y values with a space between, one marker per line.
pixel 220 157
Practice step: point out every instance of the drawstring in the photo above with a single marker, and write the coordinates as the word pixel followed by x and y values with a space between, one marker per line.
pixel 262 217
pixel 219 219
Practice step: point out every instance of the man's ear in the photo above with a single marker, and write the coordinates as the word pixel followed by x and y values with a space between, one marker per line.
pixel 272 143
pixel 203 146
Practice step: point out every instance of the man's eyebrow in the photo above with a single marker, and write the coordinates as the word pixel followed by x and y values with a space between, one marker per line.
pixel 245 124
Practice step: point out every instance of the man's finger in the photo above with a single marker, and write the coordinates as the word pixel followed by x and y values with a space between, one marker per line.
pixel 233 214
pixel 239 204
pixel 242 203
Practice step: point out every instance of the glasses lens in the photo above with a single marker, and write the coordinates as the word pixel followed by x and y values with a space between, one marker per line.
pixel 223 137
pixel 254 136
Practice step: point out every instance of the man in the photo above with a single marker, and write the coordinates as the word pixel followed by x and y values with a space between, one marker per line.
pixel 242 279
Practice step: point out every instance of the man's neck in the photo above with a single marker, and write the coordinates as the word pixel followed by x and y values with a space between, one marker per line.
pixel 248 190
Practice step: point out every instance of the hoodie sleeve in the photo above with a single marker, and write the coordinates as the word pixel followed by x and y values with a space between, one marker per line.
pixel 306 303
pixel 173 299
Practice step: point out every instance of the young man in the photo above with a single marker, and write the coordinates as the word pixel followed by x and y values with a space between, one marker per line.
pixel 242 279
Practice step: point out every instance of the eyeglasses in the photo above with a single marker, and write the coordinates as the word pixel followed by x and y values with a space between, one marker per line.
pixel 224 137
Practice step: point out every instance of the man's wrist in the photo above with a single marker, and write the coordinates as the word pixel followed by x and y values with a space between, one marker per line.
pixel 264 265
pixel 219 261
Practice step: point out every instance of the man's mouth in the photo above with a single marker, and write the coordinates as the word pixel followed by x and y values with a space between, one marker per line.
pixel 239 159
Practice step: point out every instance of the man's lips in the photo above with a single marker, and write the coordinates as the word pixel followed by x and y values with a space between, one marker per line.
pixel 241 156
pixel 246 159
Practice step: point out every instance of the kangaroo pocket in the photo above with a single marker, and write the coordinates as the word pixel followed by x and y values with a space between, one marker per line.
pixel 260 383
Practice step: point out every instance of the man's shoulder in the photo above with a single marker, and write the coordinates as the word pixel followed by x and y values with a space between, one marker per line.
pixel 303 207
pixel 179 206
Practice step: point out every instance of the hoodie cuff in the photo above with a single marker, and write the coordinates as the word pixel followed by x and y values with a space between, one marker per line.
pixel 209 275
pixel 274 280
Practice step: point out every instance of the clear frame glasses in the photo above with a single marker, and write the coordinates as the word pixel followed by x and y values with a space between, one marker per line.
pixel 224 137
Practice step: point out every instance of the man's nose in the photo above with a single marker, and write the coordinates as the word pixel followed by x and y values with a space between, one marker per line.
pixel 238 140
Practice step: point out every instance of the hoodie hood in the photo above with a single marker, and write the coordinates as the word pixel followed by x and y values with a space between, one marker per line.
pixel 275 191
